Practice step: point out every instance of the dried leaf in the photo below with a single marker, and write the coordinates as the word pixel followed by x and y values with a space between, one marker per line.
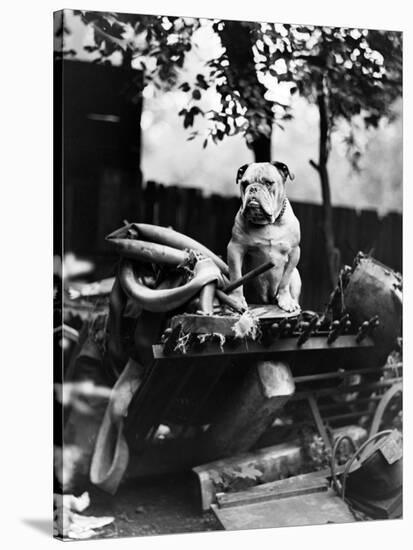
pixel 248 471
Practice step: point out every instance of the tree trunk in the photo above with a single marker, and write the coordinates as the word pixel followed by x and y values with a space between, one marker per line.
pixel 262 149
pixel 333 254
pixel 236 39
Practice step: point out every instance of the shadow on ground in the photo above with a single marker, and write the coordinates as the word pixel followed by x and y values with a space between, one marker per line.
pixel 159 506
pixel 165 505
pixel 44 526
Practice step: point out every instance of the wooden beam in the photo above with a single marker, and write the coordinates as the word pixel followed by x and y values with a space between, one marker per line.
pixel 271 463
pixel 284 488
pixel 248 347
pixel 319 421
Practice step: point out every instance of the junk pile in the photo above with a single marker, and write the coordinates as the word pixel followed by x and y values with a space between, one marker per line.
pixel 180 351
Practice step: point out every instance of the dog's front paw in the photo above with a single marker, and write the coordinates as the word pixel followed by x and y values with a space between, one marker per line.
pixel 286 302
pixel 238 295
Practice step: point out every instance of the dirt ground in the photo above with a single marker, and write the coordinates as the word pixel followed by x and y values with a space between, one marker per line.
pixel 160 506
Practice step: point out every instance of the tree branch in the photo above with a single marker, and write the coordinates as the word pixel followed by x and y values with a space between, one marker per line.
pixel 314 165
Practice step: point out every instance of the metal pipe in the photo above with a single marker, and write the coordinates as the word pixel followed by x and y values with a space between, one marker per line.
pixel 248 276
pixel 227 300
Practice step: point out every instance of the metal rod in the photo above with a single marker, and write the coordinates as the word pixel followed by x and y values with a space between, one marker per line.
pixel 227 300
pixel 341 374
pixel 331 406
pixel 354 414
pixel 349 389
pixel 248 276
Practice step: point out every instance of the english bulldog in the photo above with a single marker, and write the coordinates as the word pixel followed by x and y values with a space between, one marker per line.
pixel 266 228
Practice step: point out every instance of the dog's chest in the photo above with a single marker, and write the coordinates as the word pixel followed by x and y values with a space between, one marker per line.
pixel 269 241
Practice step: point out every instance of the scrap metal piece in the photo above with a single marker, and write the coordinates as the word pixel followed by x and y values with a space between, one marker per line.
pixel 370 291
pixel 367 327
pixel 338 327
pixel 286 327
pixel 308 327
pixel 249 276
pixel 275 330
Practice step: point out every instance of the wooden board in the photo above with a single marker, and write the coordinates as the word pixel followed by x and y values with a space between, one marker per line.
pixel 283 459
pixel 271 312
pixel 207 324
pixel 248 347
pixel 270 461
pixel 284 488
pixel 316 508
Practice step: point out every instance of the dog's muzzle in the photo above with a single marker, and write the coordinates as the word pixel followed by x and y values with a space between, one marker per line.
pixel 257 204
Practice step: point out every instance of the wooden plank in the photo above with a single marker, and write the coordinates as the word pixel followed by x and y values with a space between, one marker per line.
pixel 319 421
pixel 274 491
pixel 172 197
pixel 368 231
pixel 182 208
pixel 271 461
pixel 195 220
pixel 312 509
pixel 282 485
pixel 247 347
pixel 271 312
pixel 164 206
pixel 207 215
pixel 203 324
pixel 149 197
pixel 221 233
pixel 206 324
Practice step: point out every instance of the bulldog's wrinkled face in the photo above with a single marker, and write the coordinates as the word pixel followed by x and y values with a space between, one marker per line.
pixel 262 191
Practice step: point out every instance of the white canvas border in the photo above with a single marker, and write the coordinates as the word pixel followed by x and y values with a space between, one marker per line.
pixel 26 283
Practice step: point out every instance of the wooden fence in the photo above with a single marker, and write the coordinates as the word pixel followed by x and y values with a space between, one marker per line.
pixel 209 219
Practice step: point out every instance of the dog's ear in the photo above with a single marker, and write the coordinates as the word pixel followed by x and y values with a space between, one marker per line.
pixel 240 172
pixel 283 168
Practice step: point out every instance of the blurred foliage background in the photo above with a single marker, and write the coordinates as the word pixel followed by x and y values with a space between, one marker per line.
pixel 169 157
